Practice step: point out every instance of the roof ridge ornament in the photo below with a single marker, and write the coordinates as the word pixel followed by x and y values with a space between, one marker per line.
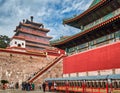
pixel 31 18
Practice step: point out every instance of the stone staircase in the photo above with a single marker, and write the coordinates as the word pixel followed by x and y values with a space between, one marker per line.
pixel 45 69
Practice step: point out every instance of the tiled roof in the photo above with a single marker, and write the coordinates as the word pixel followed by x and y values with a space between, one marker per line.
pixel 65 21
pixel 18 37
pixel 35 40
pixel 86 31
pixel 34 27
pixel 36 45
pixel 33 32
pixel 34 23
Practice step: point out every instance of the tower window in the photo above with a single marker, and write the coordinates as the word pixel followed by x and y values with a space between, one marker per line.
pixel 22 43
pixel 19 45
pixel 15 42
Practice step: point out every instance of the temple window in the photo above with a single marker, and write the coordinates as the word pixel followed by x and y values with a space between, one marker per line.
pixel 91 43
pixel 15 42
pixel 22 43
pixel 106 17
pixel 111 36
pixel 102 39
pixel 117 34
pixel 94 43
pixel 19 45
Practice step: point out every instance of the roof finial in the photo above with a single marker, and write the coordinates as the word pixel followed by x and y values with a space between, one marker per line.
pixel 31 18
pixel 23 20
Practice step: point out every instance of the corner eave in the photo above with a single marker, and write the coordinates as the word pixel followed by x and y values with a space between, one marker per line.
pixel 70 20
pixel 86 31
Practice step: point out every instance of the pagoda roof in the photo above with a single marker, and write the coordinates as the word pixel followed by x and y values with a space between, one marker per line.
pixel 97 9
pixel 34 27
pixel 29 39
pixel 37 41
pixel 36 45
pixel 34 23
pixel 65 41
pixel 18 37
pixel 32 32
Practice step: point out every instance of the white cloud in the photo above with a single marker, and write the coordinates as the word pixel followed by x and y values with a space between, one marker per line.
pixel 76 5
pixel 49 12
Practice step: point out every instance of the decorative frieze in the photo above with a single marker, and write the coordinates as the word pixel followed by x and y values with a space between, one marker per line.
pixel 106 72
pixel 73 74
pixel 117 71
pixel 93 73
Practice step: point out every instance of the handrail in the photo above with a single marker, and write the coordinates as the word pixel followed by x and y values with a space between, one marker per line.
pixel 45 68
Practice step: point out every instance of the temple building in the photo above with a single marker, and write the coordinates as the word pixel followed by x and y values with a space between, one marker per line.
pixel 92 60
pixel 92 64
pixel 95 50
pixel 30 36
pixel 30 56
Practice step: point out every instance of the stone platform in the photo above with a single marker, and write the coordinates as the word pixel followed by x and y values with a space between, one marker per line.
pixel 20 91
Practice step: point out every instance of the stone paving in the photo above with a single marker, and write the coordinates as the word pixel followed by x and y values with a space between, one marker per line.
pixel 20 91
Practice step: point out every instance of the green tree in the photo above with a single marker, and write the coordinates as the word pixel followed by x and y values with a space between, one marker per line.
pixel 4 81
pixel 4 41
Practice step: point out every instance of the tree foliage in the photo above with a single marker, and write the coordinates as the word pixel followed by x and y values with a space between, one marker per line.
pixel 4 41
pixel 4 81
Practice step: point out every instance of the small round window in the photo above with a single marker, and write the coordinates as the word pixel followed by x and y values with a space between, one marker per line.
pixel 19 45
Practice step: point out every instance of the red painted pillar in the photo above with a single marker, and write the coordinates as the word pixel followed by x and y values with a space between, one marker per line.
pixel 99 90
pixel 106 87
pixel 83 86
pixel 67 85
pixel 111 86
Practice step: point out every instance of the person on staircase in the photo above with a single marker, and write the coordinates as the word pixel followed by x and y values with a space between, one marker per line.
pixel 44 86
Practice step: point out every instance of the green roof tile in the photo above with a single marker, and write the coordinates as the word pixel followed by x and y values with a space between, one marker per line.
pixel 94 2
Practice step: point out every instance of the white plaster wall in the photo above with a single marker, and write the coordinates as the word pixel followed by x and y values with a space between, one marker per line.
pixel 12 43
pixel 82 74
pixel 117 71
pixel 65 75
pixel 106 72
pixel 73 75
pixel 93 73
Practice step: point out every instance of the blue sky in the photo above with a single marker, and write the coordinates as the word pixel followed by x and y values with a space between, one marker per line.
pixel 49 12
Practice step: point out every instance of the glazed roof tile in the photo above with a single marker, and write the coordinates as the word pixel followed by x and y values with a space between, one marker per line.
pixel 34 27
pixel 59 42
pixel 33 32
pixel 84 13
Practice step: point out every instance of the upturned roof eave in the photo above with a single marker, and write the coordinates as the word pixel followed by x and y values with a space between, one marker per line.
pixel 21 30
pixel 86 31
pixel 31 22
pixel 69 20
pixel 41 29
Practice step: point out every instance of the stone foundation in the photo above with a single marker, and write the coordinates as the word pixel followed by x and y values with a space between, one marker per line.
pixel 19 67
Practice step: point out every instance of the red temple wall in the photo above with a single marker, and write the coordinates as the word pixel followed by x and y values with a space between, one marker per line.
pixel 105 57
